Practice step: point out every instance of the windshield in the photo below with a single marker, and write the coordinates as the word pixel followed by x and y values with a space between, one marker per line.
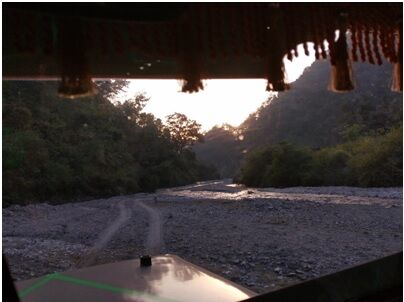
pixel 248 186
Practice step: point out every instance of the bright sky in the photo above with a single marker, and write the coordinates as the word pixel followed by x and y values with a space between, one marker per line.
pixel 221 101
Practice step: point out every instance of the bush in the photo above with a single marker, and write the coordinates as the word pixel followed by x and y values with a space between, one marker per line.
pixel 252 172
pixel 329 167
pixel 281 165
pixel 372 161
pixel 378 161
pixel 288 166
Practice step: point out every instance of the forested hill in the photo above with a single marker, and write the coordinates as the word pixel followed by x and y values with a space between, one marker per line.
pixel 57 149
pixel 310 115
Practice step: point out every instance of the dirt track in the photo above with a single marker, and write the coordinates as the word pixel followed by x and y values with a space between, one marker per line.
pixel 105 236
pixel 154 242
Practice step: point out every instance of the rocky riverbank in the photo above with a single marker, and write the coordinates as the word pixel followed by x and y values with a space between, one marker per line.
pixel 260 238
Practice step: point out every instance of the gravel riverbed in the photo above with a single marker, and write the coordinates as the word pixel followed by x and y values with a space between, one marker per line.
pixel 262 239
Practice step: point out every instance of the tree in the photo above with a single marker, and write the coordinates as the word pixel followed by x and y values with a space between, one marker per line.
pixel 132 108
pixel 110 89
pixel 184 132
pixel 56 149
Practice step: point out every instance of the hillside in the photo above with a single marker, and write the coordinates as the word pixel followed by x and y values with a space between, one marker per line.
pixel 310 115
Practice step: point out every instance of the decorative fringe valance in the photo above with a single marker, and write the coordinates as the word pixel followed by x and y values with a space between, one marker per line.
pixel 213 32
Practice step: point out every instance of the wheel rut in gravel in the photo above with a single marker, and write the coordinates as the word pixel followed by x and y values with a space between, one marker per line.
pixel 154 241
pixel 102 241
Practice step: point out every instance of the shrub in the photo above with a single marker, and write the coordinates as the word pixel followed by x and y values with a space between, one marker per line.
pixel 329 167
pixel 288 166
pixel 371 161
pixel 378 161
pixel 281 165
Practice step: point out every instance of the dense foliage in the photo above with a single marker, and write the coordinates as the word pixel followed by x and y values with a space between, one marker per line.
pixel 58 149
pixel 369 161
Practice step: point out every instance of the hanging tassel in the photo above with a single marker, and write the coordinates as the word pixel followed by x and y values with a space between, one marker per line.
pixel 275 47
pixel 73 87
pixel 192 85
pixel 392 46
pixel 276 80
pixel 323 51
pixel 316 51
pixel 306 34
pixel 383 42
pixel 289 42
pixel 360 44
pixel 397 84
pixel 341 69
pixel 293 34
pixel 354 43
pixel 323 32
pixel 314 32
pixel 76 80
pixel 190 60
pixel 306 49
pixel 368 47
pixel 289 56
pixel 192 81
pixel 376 47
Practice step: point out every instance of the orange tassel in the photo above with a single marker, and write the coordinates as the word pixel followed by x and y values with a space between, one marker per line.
pixel 397 84
pixel 341 72
pixel 192 81
pixel 368 47
pixel 376 48
pixel 275 47
pixel 360 43
pixel 276 81
pixel 306 49
pixel 190 53
pixel 289 55
pixel 75 87
pixel 354 44
pixel 76 81
pixel 323 51
pixel 341 77
pixel 316 51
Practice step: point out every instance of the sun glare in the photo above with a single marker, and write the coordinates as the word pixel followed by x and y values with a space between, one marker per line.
pixel 222 101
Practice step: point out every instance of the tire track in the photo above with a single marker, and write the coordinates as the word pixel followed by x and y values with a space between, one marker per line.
pixel 105 237
pixel 154 241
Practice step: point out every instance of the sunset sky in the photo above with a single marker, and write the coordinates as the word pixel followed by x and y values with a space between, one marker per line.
pixel 222 101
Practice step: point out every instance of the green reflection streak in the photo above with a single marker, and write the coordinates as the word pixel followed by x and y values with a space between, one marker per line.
pixel 110 288
pixel 89 283
pixel 41 282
